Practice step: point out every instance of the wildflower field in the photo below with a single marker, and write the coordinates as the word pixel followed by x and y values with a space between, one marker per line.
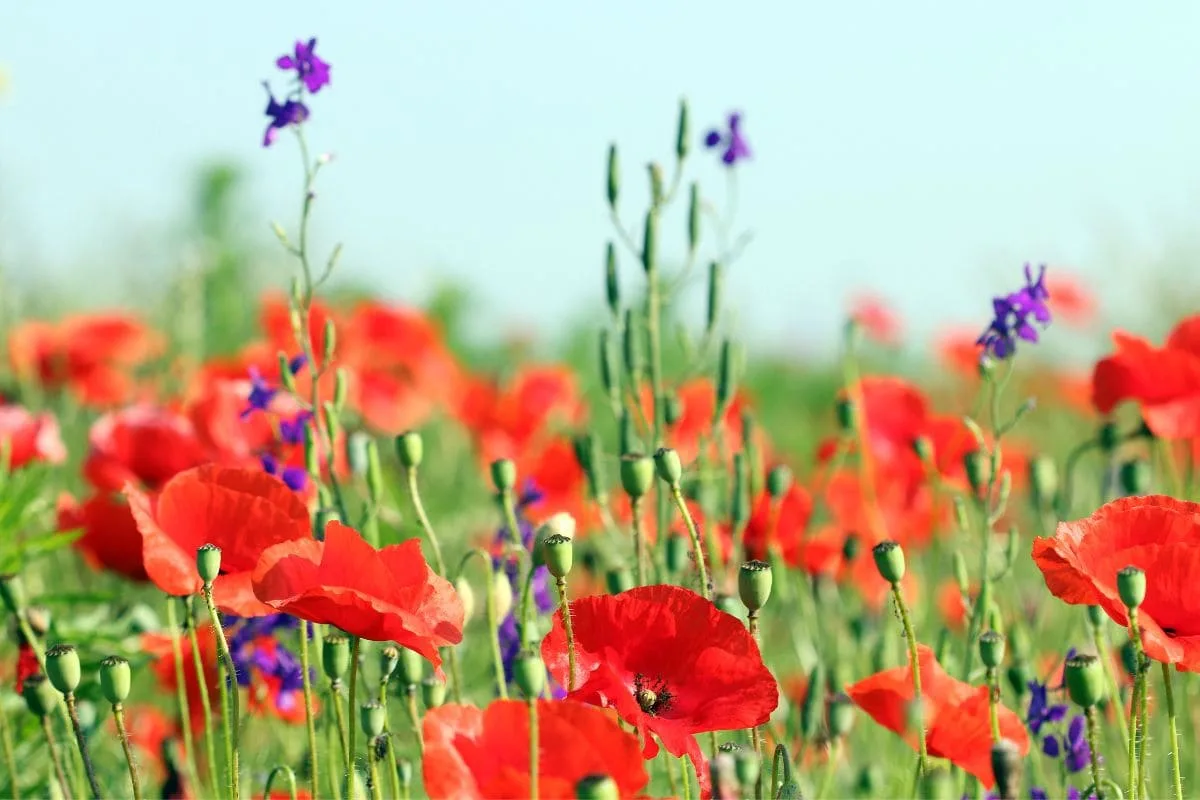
pixel 310 543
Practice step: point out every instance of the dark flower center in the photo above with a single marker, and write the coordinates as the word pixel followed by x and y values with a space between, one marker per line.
pixel 652 695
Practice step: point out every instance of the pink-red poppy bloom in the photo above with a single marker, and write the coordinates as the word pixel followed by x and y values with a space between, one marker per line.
pixel 387 595
pixel 477 754
pixel 878 320
pixel 1070 300
pixel 111 539
pixel 30 437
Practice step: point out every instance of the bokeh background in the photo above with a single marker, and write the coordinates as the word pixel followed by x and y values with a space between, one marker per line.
pixel 923 150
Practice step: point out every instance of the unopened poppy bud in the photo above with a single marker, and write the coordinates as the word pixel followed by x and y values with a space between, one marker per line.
pixel 612 286
pixel 869 781
pixel 672 409
pixel 1108 437
pixel 668 466
pixel 12 591
pixel 814 703
pixel 557 552
pixel 389 659
pixel 614 177
pixel 1129 658
pixel 529 673
pixel 937 784
pixel 961 576
pixel 683 131
pixel 1131 586
pixel 618 580
pixel 845 414
pixel 373 717
pixel 632 347
pixel 335 656
pixel 991 648
pixel 889 560
pixel 115 679
pixel 841 715
pixel 629 441
pixel 312 451
pixel 411 668
pixel 502 594
pixel 851 547
pixel 433 692
pixel 727 603
pixel 650 233
pixel 923 447
pixel 655 173
pixel 597 787
pixel 678 551
pixel 1006 768
pixel 961 517
pixel 726 376
pixel 63 668
pixel 330 338
pixel 341 388
pixel 637 474
pixel 465 593
pixel 333 423
pixel 1135 477
pixel 1085 680
pixel 716 281
pixel 754 585
pixel 1095 616
pixel 976 466
pixel 504 475
pixel 779 481
pixel 1043 479
pixel 747 766
pixel 374 473
pixel 1019 674
pixel 208 562
pixel 40 697
pixel 610 375
pixel 588 454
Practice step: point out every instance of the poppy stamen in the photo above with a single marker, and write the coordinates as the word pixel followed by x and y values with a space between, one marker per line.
pixel 653 698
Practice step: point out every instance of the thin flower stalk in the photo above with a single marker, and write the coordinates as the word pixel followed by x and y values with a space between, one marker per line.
pixel 127 747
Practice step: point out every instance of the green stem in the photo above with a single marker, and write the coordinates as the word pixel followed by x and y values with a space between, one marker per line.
pixel 373 776
pixel 393 767
pixel 1136 708
pixel 127 747
pixel 697 550
pixel 993 698
pixel 353 728
pixel 639 543
pixel 830 769
pixel 1101 641
pixel 185 714
pixel 414 717
pixel 1174 727
pixel 915 664
pixel 493 618
pixel 288 775
pixel 687 779
pixel 10 761
pixel 533 748
pixel 89 769
pixel 1141 733
pixel 310 722
pixel 205 702
pixel 55 758
pixel 565 607
pixel 414 494
pixel 230 701
pixel 339 717
pixel 1094 746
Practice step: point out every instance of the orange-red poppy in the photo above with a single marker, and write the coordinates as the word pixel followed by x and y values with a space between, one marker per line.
pixel 1070 300
pixel 145 445
pixel 161 648
pixel 382 595
pixel 484 753
pixel 1158 534
pixel 778 525
pixel 1165 380
pixel 956 714
pixel 111 539
pixel 242 511
pixel 30 437
pixel 668 661
pixel 959 350
pixel 878 320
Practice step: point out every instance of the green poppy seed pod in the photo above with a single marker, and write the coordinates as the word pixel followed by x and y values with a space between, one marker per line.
pixel 341 387
pixel 612 285
pixel 40 697
pixel 411 669
pixel 614 177
pixel 813 708
pixel 504 475
pixel 655 172
pixel 389 660
pixel 560 524
pixel 502 594
pixel 650 236
pixel 12 591
pixel 618 580
pixel 330 339
pixel 683 131
pixel 208 562
pixel 937 784
pixel 1135 477
pixel 672 409
pixel 632 347
pixel 727 603
pixel 597 787
pixel 1043 480
pixel 716 281
pixel 116 679
pixel 1129 659
pixel 668 466
pixel 694 208
pixel 754 585
pixel 841 715
pixel 779 480
pixel 991 648
pixel 529 673
pixel 467 594
pixel 726 376
pixel 335 656
pixel 63 668
pixel 557 552
pixel 1085 680
pixel 433 692
pixel 678 551
pixel 845 414
pixel 1131 586
pixel 1006 768
pixel 747 766
pixel 976 466
pixel 889 560
pixel 1108 437
pixel 637 474
pixel 373 718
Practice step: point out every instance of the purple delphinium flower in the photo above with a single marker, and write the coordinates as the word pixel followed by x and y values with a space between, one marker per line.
pixel 255 648
pixel 296 478
pixel 310 69
pixel 289 112
pixel 1011 316
pixel 1041 712
pixel 291 431
pixel 1074 747
pixel 1038 793
pixel 732 140
pixel 261 393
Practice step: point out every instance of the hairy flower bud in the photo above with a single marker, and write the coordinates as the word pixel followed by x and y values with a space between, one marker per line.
pixel 63 668
pixel 557 554
pixel 889 560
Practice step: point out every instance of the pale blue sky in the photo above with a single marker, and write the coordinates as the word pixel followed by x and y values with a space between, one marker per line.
pixel 926 149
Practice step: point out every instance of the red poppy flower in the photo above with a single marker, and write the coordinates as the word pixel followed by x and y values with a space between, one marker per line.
pixel 92 355
pixel 668 661
pixel 959 350
pixel 145 445
pixel 484 753
pixel 878 320
pixel 779 525
pixel 27 665
pixel 952 605
pixel 532 406
pixel 242 511
pixel 1165 381
pixel 1160 535
pixel 1070 300
pixel 161 647
pixel 698 401
pixel 381 595
pixel 111 539
pixel 957 725
pixel 30 437
pixel 149 731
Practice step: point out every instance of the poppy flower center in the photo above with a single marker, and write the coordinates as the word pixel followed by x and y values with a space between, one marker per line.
pixel 653 696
